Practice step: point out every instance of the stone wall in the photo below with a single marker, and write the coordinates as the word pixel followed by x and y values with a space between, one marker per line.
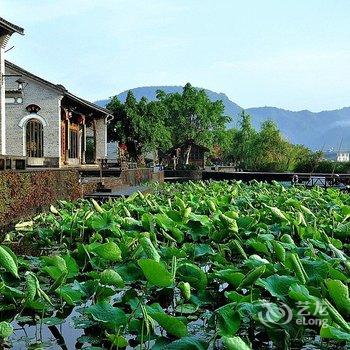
pixel 158 176
pixel 134 177
pixel 94 184
pixel 101 139
pixel 25 193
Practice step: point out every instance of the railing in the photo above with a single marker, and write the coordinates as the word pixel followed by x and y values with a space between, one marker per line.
pixel 12 163
pixel 128 165
pixel 307 179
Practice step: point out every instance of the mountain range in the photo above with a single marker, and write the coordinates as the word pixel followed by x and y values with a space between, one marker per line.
pixel 319 131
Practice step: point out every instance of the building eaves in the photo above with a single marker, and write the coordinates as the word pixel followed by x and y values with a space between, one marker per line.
pixel 10 26
pixel 87 103
pixel 21 71
pixel 59 88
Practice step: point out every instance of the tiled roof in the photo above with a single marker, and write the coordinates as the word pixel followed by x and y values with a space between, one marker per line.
pixel 87 103
pixel 10 26
pixel 21 71
pixel 12 90
pixel 59 88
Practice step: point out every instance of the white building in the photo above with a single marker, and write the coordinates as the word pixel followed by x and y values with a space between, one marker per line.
pixel 343 156
pixel 49 125
pixel 6 30
pixel 44 123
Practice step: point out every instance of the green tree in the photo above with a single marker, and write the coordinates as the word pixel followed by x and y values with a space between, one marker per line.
pixel 301 155
pixel 266 150
pixel 241 151
pixel 308 162
pixel 141 125
pixel 223 145
pixel 192 118
pixel 271 151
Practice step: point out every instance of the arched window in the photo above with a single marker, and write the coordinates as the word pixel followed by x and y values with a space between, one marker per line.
pixel 34 138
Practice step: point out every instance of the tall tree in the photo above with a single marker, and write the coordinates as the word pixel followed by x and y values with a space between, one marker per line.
pixel 141 125
pixel 192 118
pixel 242 151
pixel 271 150
pixel 223 145
pixel 264 150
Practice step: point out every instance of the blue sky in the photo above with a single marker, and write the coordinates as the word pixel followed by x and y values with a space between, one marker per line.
pixel 293 54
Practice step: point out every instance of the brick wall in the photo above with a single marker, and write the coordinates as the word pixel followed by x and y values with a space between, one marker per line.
pixel 48 100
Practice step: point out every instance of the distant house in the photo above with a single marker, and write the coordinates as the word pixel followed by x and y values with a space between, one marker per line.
pixel 340 156
pixel 49 125
pixel 197 155
pixel 343 156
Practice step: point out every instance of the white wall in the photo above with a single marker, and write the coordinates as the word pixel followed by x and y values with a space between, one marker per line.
pixel 2 98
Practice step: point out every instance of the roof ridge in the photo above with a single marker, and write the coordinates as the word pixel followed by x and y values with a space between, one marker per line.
pixel 57 87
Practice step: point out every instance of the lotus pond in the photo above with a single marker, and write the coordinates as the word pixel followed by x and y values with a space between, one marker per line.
pixel 204 265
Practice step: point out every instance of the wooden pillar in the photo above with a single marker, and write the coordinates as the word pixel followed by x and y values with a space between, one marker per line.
pixel 83 142
pixel 95 139
pixel 67 138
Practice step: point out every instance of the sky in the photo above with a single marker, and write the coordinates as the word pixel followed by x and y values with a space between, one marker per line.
pixel 292 54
